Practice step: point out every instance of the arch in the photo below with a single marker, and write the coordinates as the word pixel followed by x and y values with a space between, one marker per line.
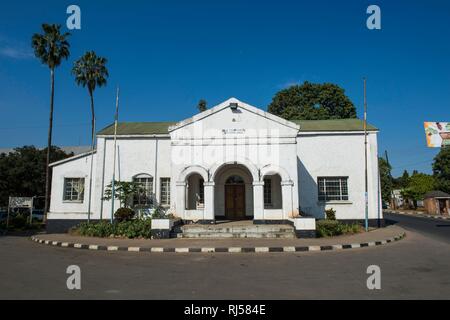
pixel 186 172
pixel 248 165
pixel 142 175
pixel 271 169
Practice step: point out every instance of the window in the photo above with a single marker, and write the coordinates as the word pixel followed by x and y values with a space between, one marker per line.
pixel 165 191
pixel 267 191
pixel 74 189
pixel 234 180
pixel 144 196
pixel 332 188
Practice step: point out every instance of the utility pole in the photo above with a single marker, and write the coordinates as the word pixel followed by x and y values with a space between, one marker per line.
pixel 113 187
pixel 366 193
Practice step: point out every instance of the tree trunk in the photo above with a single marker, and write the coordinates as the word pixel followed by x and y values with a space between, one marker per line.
pixel 91 94
pixel 49 145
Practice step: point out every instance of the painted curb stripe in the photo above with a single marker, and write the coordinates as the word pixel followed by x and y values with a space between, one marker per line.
pixel 219 249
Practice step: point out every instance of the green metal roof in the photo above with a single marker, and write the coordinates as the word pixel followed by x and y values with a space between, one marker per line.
pixel 333 125
pixel 138 128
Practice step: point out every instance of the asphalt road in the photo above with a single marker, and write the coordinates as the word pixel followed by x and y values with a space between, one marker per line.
pixel 433 228
pixel 415 267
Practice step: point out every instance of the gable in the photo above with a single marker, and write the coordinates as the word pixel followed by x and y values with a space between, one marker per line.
pixel 236 118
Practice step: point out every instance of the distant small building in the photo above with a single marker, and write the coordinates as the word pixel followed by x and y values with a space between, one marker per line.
pixel 437 202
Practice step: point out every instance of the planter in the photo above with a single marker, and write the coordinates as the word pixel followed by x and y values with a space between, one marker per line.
pixel 161 228
pixel 162 224
pixel 305 227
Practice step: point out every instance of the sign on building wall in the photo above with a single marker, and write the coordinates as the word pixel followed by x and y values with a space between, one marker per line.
pixel 438 134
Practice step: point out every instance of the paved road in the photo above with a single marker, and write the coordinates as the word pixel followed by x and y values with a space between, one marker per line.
pixel 416 267
pixel 432 228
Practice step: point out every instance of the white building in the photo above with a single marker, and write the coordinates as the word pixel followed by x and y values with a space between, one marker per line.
pixel 231 162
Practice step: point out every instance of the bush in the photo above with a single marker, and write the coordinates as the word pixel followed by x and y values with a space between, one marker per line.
pixel 330 214
pixel 124 214
pixel 330 228
pixel 128 229
pixel 19 222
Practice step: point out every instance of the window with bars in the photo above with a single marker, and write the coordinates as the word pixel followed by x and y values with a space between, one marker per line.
pixel 74 189
pixel 165 191
pixel 144 196
pixel 267 192
pixel 332 188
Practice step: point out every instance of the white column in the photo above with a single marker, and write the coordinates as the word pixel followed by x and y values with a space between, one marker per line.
pixel 287 199
pixel 181 199
pixel 258 200
pixel 208 210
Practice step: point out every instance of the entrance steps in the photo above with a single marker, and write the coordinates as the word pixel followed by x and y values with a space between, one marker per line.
pixel 237 229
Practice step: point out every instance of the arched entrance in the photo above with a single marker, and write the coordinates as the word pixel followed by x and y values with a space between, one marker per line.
pixel 233 193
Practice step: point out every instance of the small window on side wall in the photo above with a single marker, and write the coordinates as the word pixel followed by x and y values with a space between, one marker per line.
pixel 74 189
pixel 332 188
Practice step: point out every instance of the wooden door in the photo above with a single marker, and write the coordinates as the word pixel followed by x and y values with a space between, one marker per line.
pixel 235 201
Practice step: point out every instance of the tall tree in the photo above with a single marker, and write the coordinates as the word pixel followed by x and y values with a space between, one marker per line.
pixel 201 106
pixel 51 48
pixel 441 169
pixel 312 101
pixel 90 71
pixel 385 179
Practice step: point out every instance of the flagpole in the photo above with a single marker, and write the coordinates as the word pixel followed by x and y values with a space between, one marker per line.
pixel 113 191
pixel 90 174
pixel 366 196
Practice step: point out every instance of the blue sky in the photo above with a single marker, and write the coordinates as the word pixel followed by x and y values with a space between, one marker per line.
pixel 166 55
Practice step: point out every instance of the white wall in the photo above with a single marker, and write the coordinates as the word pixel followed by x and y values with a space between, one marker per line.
pixel 336 154
pixel 77 168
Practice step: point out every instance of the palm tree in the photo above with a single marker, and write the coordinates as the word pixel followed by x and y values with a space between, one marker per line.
pixel 51 47
pixel 90 71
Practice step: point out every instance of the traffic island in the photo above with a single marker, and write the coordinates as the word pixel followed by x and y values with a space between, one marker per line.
pixel 373 238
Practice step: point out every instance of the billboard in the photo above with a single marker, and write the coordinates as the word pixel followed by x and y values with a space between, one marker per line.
pixel 438 134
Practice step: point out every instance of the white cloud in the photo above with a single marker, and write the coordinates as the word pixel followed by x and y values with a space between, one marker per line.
pixel 16 53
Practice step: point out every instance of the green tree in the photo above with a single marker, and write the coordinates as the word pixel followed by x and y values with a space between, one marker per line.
pixel 90 71
pixel 312 101
pixel 441 169
pixel 22 172
pixel 50 47
pixel 385 179
pixel 123 191
pixel 402 182
pixel 201 106
pixel 419 184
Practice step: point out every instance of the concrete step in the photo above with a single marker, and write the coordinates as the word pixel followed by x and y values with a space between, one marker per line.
pixel 214 235
pixel 233 230
pixel 236 229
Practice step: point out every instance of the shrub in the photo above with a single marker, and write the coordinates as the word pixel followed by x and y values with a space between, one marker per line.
pixel 19 222
pixel 128 229
pixel 330 228
pixel 330 214
pixel 124 214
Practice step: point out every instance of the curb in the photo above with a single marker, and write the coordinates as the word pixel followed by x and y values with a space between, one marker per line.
pixel 418 215
pixel 220 249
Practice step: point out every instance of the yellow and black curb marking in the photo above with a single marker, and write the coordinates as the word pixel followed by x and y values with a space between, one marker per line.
pixel 219 249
